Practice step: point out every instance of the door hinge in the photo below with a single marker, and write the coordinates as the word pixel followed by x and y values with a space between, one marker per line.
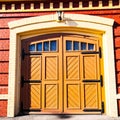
pixel 102 105
pixel 22 81
pixel 100 52
pixel 101 80
pixel 93 52
pixel 23 54
pixel 21 107
pixel 29 53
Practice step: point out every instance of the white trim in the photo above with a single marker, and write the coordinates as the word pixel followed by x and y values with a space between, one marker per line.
pixel 3 96
pixel 67 17
pixel 118 96
pixel 46 23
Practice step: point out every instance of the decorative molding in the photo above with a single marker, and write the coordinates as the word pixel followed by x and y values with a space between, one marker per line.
pixel 67 17
pixel 41 6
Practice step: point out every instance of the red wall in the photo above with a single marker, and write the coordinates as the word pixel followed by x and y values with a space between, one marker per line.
pixel 3 108
pixel 4 45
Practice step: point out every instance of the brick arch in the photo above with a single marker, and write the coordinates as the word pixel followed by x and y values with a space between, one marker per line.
pixel 84 24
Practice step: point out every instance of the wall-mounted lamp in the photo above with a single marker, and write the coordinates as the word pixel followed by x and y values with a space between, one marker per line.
pixel 59 16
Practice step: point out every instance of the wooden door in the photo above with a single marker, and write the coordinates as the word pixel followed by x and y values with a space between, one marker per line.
pixel 31 80
pixel 82 80
pixel 42 75
pixel 72 79
pixel 52 78
pixel 61 75
pixel 91 82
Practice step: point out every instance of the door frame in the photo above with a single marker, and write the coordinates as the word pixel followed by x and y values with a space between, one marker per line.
pixel 73 23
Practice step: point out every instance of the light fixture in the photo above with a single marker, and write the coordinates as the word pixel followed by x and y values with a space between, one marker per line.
pixel 59 16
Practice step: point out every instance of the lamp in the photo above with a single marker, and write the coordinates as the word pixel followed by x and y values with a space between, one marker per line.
pixel 59 16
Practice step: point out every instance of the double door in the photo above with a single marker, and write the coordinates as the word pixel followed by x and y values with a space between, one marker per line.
pixel 61 75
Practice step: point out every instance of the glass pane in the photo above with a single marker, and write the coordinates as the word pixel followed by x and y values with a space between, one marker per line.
pixel 68 45
pixel 46 46
pixel 39 47
pixel 83 46
pixel 32 47
pixel 53 45
pixel 90 46
pixel 76 45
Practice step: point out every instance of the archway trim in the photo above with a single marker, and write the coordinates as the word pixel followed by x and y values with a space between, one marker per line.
pixel 28 27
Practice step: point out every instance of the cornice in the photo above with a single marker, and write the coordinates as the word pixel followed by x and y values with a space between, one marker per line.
pixel 30 5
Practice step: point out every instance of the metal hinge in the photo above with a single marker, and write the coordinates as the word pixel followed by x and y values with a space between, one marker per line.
pixel 95 110
pixel 100 52
pixel 23 54
pixel 101 80
pixel 30 53
pixel 93 52
pixel 22 81
pixel 102 110
pixel 21 107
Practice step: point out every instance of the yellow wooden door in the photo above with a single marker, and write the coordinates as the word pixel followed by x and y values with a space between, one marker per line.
pixel 82 87
pixel 61 75
pixel 42 75
pixel 91 82
pixel 52 79
pixel 72 81
pixel 31 72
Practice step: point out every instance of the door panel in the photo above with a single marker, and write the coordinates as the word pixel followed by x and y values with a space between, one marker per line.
pixel 31 67
pixel 72 84
pixel 91 95
pixel 51 89
pixel 31 86
pixel 72 67
pixel 91 82
pixel 51 67
pixel 82 90
pixel 90 70
pixel 73 96
pixel 35 68
pixel 51 96
pixel 51 84
pixel 52 79
pixel 32 97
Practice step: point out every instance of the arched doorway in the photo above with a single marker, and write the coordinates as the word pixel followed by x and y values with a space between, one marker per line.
pixel 61 73
pixel 75 24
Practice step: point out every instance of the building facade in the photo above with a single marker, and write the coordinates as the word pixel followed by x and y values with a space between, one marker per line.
pixel 59 57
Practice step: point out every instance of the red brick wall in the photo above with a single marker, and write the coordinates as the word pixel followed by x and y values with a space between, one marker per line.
pixel 4 45
pixel 3 108
pixel 4 52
